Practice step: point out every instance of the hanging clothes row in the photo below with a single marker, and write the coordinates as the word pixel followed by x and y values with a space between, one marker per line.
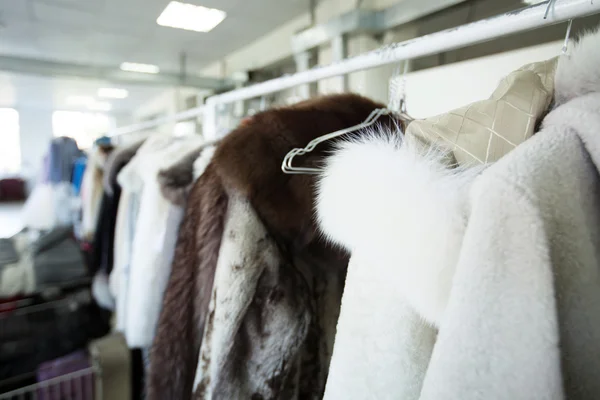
pixel 454 257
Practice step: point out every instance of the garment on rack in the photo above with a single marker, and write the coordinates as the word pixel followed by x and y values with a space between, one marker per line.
pixel 78 171
pixel 101 262
pixel 62 155
pixel 177 181
pixel 268 329
pixel 470 284
pixel 153 246
pixel 92 189
pixel 131 190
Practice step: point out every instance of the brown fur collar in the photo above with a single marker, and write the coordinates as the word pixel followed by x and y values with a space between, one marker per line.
pixel 249 161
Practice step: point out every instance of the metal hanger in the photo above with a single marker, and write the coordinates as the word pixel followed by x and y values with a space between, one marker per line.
pixel 396 107
pixel 287 166
pixel 551 5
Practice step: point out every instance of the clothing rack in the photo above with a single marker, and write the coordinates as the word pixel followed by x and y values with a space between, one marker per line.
pixel 513 22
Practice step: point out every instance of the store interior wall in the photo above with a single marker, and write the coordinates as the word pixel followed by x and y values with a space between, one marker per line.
pixel 35 134
pixel 274 49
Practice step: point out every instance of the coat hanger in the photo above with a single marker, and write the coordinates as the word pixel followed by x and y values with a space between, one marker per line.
pixel 396 108
pixel 287 166
pixel 551 5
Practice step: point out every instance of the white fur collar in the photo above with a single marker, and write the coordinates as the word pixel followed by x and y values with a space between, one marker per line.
pixel 400 206
pixel 578 73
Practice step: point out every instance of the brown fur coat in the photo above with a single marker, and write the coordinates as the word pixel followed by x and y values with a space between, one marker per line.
pixel 265 329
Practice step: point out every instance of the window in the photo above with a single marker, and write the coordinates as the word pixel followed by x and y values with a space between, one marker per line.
pixel 84 127
pixel 10 147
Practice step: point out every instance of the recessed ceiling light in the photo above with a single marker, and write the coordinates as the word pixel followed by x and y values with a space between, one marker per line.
pixel 190 17
pixel 113 93
pixel 532 2
pixel 137 67
pixel 80 100
pixel 100 106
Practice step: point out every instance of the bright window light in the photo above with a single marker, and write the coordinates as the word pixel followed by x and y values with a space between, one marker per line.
pixel 84 127
pixel 137 67
pixel 190 17
pixel 113 93
pixel 10 150
pixel 80 100
pixel 100 106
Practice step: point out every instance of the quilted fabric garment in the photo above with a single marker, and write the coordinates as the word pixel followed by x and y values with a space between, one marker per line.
pixel 484 131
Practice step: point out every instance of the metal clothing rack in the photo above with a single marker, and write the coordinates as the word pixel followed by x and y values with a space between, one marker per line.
pixel 81 384
pixel 513 22
pixel 78 385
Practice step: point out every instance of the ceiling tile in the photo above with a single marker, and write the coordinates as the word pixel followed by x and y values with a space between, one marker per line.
pixel 61 15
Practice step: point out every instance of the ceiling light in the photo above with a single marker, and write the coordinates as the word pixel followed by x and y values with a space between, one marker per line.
pixel 80 100
pixel 100 106
pixel 190 17
pixel 113 93
pixel 532 2
pixel 137 67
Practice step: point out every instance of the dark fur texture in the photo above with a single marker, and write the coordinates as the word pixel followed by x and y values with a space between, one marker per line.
pixel 179 334
pixel 248 161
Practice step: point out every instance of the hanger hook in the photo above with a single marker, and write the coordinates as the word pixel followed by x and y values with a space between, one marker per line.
pixel 567 35
pixel 551 4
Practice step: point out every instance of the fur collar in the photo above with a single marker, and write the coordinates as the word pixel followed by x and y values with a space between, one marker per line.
pixel 249 159
pixel 115 162
pixel 176 181
pixel 397 204
pixel 405 206
pixel 579 72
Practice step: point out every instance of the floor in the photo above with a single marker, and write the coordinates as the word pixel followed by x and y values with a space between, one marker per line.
pixel 10 219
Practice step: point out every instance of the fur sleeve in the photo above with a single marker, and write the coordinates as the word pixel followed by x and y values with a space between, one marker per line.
pixel 175 349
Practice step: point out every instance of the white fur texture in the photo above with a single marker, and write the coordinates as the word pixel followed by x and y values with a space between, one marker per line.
pixel 579 72
pixel 404 207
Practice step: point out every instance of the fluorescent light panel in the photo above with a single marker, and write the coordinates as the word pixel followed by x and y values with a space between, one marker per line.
pixel 100 106
pixel 190 17
pixel 113 93
pixel 137 67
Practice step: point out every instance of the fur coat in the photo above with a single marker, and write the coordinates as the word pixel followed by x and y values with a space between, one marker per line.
pixel 91 191
pixel 101 260
pixel 253 298
pixel 153 246
pixel 473 283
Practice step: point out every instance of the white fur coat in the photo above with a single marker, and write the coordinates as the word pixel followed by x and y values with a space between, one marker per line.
pixel 473 283
pixel 156 226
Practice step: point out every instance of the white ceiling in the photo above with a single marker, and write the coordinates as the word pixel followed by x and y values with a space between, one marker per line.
pixel 108 32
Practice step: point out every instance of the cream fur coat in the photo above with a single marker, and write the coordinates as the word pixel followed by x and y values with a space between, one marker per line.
pixel 473 283
pixel 156 225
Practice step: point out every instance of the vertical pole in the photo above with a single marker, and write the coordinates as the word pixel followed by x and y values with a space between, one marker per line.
pixel 339 51
pixel 209 123
pixel 303 64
